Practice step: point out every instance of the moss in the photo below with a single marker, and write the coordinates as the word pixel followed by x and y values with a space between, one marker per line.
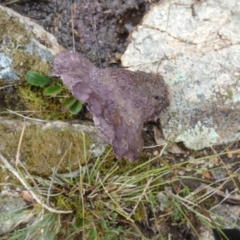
pixel 23 62
pixel 65 203
pixel 229 93
pixel 16 43
pixel 123 164
pixel 42 150
pixel 9 99
pixel 11 27
pixel 14 38
pixel 43 107
pixel 140 213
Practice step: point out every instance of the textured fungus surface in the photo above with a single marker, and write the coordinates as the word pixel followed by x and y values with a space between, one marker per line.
pixel 120 100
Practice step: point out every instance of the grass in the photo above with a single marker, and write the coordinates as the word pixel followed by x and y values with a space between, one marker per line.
pixel 107 198
pixel 110 199
pixel 101 200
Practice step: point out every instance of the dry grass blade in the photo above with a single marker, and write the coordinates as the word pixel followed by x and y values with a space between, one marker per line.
pixel 19 146
pixel 27 118
pixel 23 182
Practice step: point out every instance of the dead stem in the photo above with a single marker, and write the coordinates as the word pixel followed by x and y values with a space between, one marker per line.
pixel 21 179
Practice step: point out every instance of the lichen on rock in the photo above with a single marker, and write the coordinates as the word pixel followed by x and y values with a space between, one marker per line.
pixel 199 58
pixel 191 136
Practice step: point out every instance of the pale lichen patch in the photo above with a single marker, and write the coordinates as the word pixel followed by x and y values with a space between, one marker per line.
pixel 191 136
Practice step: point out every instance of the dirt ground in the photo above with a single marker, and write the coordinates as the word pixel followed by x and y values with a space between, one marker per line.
pixel 101 30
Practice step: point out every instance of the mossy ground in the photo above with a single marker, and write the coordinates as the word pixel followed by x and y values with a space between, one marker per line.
pixel 41 150
pixel 13 39
pixel 103 197
pixel 19 95
pixel 11 27
pixel 44 107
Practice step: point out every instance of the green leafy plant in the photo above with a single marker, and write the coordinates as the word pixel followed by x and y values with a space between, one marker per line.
pixel 53 87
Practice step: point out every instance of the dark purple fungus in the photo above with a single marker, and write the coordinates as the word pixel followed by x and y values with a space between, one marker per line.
pixel 120 100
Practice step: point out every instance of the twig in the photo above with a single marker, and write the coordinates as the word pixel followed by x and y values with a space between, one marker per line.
pixel 28 118
pixel 73 38
pixel 94 33
pixel 153 146
pixel 140 198
pixel 18 176
pixel 55 171
pixel 226 197
pixel 7 86
pixel 19 145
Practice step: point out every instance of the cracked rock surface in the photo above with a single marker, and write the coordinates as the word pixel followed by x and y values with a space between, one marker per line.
pixel 195 46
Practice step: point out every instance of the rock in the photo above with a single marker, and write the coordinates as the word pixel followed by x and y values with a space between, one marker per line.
pixel 226 216
pixel 37 34
pixel 24 45
pixel 11 203
pixel 45 143
pixel 195 47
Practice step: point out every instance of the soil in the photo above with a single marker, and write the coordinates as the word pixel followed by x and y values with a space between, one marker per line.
pixel 101 29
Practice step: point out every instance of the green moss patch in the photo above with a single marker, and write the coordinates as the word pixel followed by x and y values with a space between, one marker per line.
pixel 11 27
pixel 44 107
pixel 42 150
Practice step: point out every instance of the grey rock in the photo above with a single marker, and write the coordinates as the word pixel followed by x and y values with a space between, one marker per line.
pixel 24 45
pixel 30 47
pixel 195 47
pixel 13 211
pixel 226 216
pixel 6 71
pixel 39 36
